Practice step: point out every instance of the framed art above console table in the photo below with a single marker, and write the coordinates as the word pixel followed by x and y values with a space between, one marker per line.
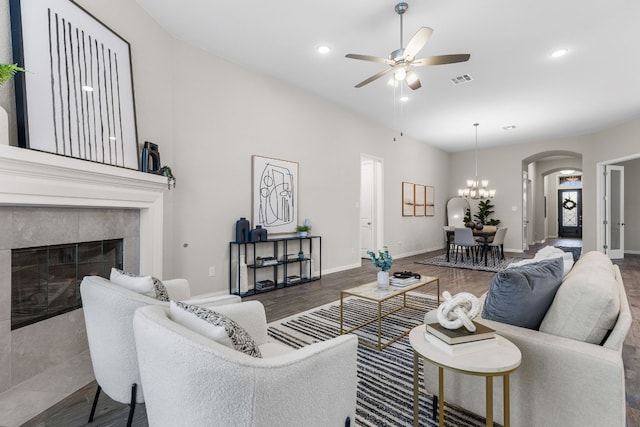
pixel 76 98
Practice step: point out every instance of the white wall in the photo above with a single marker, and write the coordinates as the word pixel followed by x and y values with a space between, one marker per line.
pixel 227 114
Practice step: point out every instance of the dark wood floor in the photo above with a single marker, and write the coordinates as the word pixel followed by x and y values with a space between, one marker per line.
pixel 285 302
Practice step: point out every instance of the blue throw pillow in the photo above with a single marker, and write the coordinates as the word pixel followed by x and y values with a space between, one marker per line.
pixel 521 296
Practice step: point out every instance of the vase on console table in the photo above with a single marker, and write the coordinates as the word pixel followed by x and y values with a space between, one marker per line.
pixel 383 279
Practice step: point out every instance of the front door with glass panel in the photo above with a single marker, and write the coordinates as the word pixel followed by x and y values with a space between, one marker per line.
pixel 570 213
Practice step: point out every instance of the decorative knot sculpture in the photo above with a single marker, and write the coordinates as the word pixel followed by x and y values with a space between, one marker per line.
pixel 458 311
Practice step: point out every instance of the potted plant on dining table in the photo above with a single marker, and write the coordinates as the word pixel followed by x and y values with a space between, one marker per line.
pixel 383 261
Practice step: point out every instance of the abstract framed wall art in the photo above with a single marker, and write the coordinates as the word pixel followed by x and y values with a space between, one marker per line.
pixel 408 198
pixel 419 207
pixel 274 194
pixel 76 98
pixel 430 201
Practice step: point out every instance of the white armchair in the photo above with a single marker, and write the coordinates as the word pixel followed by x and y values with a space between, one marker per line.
pixel 108 312
pixel 192 380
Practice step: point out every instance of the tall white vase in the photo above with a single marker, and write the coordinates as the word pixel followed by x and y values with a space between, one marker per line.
pixel 243 281
pixel 4 127
pixel 383 279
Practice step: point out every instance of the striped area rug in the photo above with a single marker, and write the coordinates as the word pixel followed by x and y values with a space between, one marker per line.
pixel 385 378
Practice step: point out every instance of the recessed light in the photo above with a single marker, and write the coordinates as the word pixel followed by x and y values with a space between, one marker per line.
pixel 404 98
pixel 559 53
pixel 87 88
pixel 323 49
pixel 509 127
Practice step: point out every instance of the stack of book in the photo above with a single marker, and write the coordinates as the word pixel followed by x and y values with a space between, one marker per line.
pixel 265 285
pixel 293 279
pixel 395 281
pixel 460 341
pixel 269 261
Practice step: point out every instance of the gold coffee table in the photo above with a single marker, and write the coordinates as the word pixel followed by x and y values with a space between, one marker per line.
pixel 371 292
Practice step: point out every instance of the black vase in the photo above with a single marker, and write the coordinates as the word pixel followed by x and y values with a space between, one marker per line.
pixel 242 230
pixel 258 234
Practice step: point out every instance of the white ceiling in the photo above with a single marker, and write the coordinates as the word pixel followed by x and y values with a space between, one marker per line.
pixel 515 80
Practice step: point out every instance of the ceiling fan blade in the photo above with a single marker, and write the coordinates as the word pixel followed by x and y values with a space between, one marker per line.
pixel 417 42
pixel 412 80
pixel 441 59
pixel 369 58
pixel 374 77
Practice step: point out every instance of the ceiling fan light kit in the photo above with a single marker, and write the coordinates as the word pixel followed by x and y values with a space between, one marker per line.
pixel 401 60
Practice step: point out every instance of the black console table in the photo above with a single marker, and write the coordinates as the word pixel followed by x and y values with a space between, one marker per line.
pixel 274 264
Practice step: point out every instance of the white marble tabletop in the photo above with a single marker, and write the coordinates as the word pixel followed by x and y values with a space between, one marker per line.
pixel 505 357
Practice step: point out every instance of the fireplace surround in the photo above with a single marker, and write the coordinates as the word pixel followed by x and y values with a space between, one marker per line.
pixel 50 197
pixel 45 280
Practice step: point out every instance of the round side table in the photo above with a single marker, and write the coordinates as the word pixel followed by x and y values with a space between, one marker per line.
pixel 487 362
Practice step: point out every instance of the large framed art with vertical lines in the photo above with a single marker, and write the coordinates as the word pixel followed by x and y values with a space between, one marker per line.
pixel 76 98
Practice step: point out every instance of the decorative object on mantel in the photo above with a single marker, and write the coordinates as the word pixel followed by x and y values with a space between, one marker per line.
pixel 456 312
pixel 77 100
pixel 383 261
pixel 275 194
pixel 6 72
pixel 150 161
pixel 9 70
pixel 477 189
pixel 171 179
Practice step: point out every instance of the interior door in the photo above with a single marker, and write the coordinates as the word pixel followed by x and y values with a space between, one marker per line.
pixel 614 211
pixel 367 204
pixel 526 202
pixel 570 213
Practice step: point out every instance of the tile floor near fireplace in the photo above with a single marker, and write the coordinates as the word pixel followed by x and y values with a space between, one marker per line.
pixel 37 394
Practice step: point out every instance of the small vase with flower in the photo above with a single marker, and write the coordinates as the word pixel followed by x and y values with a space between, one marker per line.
pixel 383 261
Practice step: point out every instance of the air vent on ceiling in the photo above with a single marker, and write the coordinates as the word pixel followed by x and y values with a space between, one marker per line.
pixel 465 78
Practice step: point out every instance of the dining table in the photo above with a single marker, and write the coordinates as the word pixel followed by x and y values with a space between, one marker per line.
pixel 485 233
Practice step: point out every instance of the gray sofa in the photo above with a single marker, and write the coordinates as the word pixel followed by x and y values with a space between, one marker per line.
pixel 572 372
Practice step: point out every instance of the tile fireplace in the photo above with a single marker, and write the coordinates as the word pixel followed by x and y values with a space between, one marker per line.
pixel 49 200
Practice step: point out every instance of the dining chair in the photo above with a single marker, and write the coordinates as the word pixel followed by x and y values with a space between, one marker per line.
pixel 463 238
pixel 497 244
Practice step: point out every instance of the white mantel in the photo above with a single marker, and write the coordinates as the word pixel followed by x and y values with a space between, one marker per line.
pixel 33 178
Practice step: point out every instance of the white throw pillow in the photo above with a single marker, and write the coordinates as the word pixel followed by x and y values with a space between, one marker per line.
pixel 196 324
pixel 140 284
pixel 210 323
pixel 548 252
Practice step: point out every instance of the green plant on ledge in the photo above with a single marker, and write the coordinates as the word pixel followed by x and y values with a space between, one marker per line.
pixel 171 180
pixel 9 70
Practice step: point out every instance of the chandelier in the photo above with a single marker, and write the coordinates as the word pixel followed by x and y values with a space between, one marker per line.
pixel 477 189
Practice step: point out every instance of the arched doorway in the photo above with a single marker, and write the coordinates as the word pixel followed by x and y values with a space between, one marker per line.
pixel 542 182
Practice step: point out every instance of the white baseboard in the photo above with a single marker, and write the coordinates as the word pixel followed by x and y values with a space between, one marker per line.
pixel 632 252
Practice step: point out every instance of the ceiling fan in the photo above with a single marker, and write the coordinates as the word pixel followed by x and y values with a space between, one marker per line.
pixel 401 60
